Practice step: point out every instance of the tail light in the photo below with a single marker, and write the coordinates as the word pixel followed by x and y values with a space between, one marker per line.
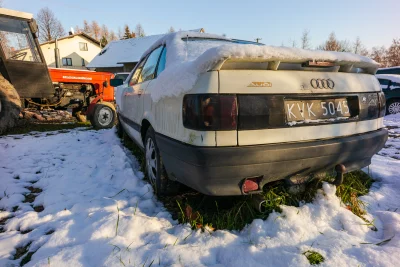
pixel 382 104
pixel 210 112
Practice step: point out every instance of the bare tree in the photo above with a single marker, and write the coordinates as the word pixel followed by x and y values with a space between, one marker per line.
pixel 333 44
pixel 378 54
pixel 49 26
pixel 120 34
pixel 87 28
pixel 393 53
pixel 96 30
pixel 171 29
pixel 104 32
pixel 305 40
pixel 77 29
pixel 139 30
pixel 113 36
pixel 359 48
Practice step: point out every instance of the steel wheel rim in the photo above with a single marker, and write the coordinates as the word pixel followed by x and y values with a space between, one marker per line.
pixel 394 108
pixel 105 116
pixel 151 160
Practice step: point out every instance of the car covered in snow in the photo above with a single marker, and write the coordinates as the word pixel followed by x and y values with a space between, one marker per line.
pixel 227 117
pixel 390 84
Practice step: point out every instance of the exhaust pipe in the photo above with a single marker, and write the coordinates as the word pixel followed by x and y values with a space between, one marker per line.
pixel 258 203
pixel 340 170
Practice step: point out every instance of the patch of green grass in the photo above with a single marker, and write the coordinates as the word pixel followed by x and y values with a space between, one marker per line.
pixel 355 184
pixel 233 213
pixel 44 127
pixel 314 257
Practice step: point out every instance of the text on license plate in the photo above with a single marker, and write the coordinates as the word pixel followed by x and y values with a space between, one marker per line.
pixel 299 110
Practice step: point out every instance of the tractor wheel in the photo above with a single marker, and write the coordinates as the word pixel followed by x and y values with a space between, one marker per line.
pixel 104 116
pixel 10 105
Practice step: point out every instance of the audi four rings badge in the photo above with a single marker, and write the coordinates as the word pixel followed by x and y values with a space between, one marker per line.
pixel 322 83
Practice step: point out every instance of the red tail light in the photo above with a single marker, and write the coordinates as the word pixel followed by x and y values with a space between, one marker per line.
pixel 210 112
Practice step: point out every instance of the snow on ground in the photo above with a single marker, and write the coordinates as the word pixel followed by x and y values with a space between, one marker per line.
pixel 98 211
pixel 392 146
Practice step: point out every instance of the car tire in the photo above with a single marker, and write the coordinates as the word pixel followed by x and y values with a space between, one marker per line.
pixel 155 169
pixel 10 105
pixel 104 116
pixel 393 106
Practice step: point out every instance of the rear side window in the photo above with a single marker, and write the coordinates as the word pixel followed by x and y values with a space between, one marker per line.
pixel 161 64
pixel 137 75
pixel 149 68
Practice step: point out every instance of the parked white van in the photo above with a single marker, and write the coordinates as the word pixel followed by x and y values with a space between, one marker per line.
pixel 226 117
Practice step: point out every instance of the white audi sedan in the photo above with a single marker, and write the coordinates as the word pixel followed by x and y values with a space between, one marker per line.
pixel 227 117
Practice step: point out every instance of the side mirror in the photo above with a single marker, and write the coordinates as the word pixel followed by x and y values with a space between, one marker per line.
pixel 116 82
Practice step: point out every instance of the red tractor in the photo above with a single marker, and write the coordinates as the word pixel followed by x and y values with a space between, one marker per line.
pixel 24 76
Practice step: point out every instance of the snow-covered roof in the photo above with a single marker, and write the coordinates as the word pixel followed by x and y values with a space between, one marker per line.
pixel 123 51
pixel 392 77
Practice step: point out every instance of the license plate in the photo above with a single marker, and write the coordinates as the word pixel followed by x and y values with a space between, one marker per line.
pixel 301 110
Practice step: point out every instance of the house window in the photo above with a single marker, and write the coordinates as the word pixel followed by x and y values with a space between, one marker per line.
pixel 67 61
pixel 83 46
pixel 83 62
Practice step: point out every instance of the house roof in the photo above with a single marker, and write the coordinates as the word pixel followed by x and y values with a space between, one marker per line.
pixel 16 14
pixel 72 36
pixel 123 51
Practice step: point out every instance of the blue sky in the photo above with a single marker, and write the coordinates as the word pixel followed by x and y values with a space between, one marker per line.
pixel 276 22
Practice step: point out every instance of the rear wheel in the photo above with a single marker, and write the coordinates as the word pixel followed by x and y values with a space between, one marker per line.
pixel 103 116
pixel 393 106
pixel 10 105
pixel 155 169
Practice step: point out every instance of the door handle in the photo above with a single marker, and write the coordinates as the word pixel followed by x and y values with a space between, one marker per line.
pixel 140 92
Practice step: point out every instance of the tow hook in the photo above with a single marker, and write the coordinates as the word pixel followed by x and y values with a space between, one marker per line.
pixel 340 170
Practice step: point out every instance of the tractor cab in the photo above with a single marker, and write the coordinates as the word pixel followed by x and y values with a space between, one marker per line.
pixel 21 60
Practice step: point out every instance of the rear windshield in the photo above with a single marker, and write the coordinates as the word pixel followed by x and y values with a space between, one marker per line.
pixel 197 46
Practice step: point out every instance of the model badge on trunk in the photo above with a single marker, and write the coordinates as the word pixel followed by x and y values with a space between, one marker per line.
pixel 260 84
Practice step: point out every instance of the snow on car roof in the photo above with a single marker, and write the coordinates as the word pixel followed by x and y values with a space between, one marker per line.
pixel 123 51
pixel 182 69
pixel 392 77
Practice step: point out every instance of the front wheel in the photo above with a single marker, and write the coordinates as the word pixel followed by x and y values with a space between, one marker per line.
pixel 103 116
pixel 155 168
pixel 393 106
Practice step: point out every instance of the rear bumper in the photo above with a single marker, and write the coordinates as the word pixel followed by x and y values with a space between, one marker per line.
pixel 221 170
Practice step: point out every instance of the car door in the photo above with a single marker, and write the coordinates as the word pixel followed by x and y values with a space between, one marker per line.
pixel 130 97
pixel 144 73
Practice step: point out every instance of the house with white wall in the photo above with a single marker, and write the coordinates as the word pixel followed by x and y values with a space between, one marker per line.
pixel 76 51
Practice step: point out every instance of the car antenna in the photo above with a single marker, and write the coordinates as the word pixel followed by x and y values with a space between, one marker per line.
pixel 187 37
